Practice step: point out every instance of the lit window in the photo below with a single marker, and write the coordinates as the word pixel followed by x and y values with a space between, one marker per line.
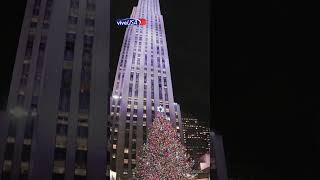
pixel 114 146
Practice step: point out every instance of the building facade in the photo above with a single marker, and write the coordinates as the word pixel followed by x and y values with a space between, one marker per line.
pixel 196 138
pixel 59 93
pixel 142 83
pixel 217 157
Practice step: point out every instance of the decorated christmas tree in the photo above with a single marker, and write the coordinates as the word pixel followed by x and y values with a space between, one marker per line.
pixel 163 156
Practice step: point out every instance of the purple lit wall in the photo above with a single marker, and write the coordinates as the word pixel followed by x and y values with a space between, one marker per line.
pixel 142 83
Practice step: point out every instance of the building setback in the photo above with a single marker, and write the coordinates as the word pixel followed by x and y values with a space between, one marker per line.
pixel 142 83
pixel 59 94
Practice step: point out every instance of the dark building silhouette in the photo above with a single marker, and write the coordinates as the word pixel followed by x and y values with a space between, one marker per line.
pixel 56 113
pixel 218 167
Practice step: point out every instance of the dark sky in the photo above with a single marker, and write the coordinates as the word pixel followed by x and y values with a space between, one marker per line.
pixel 266 89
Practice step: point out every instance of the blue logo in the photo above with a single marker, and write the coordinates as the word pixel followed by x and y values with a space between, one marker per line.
pixel 131 22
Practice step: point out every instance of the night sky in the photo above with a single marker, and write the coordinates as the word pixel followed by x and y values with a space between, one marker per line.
pixel 266 89
pixel 264 102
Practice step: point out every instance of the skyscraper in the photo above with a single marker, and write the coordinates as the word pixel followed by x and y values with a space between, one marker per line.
pixel 196 138
pixel 142 83
pixel 59 93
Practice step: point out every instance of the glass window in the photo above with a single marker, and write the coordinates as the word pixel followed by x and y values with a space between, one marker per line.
pixel 8 155
pixel 73 20
pixel 28 52
pixel 65 90
pixel 81 159
pixel 89 22
pixel 130 89
pixel 69 47
pixel 60 154
pixel 62 129
pixel 26 149
pixel 74 4
pixel 83 131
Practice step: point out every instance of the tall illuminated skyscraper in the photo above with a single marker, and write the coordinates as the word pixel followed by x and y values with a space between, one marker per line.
pixel 142 83
pixel 58 97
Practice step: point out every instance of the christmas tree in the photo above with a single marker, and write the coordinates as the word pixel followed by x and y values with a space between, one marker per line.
pixel 163 156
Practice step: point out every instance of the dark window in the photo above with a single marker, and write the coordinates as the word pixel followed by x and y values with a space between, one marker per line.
pixel 6 175
pixel 81 159
pixel 60 154
pixel 26 153
pixel 127 139
pixel 20 99
pixel 28 52
pixel 130 89
pixel 45 25
pixel 25 69
pixel 56 176
pixel 62 129
pixel 87 41
pixel 165 81
pixel 136 89
pixel 89 22
pixel 131 76
pixel 65 90
pixel 166 94
pixel 74 4
pixel 133 156
pixel 90 5
pixel 69 48
pixel 83 131
pixel 24 175
pixel 73 20
pixel 8 155
pixel 34 99
pixel 33 24
pixel 134 119
pixel 134 135
pixel 47 12
pixel 78 177
pixel 144 94
pixel 28 129
pixel 145 60
pixel 84 95
pixel 152 89
pixel 12 129
pixel 36 9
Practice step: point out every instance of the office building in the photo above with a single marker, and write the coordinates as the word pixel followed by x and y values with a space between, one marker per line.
pixel 59 93
pixel 197 140
pixel 142 83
